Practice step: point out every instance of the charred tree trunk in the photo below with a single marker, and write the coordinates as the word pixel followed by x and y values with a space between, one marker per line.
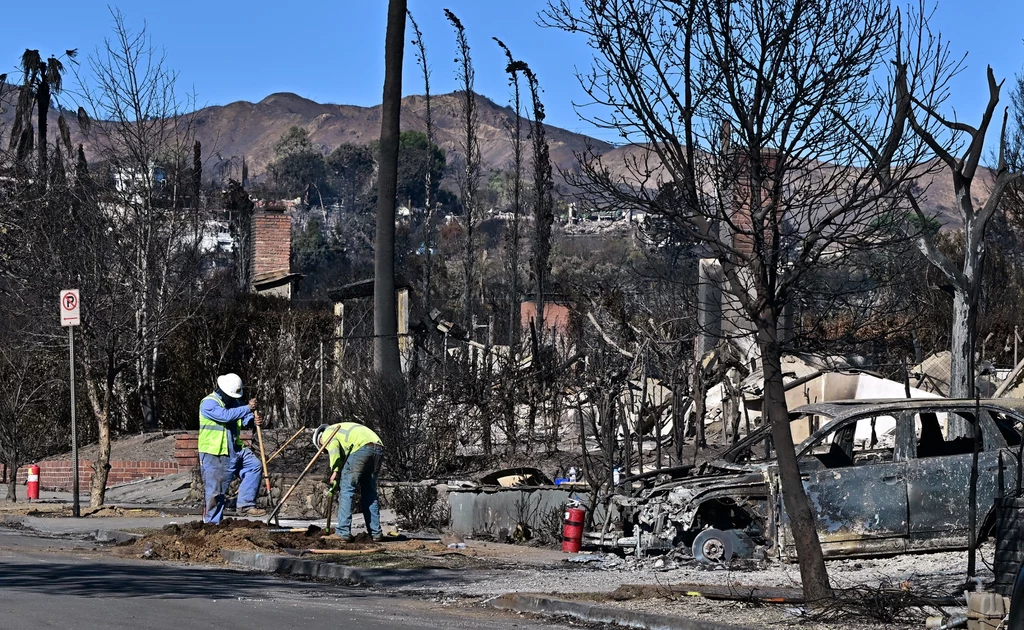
pixel 965 317
pixel 385 313
pixel 966 294
pixel 812 562
pixel 101 467
pixel 12 465
pixel 43 107
pixel 101 403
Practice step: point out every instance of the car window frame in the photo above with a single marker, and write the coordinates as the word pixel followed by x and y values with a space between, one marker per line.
pixel 900 415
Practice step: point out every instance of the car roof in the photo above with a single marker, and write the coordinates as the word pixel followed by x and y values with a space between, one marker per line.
pixel 839 409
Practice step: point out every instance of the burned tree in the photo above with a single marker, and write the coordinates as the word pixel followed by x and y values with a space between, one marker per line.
pixel 429 184
pixel 386 361
pixel 964 276
pixel 42 81
pixel 469 177
pixel 512 235
pixel 754 113
pixel 543 198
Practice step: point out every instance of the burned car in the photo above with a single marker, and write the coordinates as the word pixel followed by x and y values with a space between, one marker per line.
pixel 882 478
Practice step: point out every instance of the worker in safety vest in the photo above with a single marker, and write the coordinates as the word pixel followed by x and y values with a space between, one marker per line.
pixel 356 454
pixel 222 455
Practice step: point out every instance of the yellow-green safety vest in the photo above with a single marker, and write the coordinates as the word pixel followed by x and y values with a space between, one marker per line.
pixel 351 437
pixel 213 436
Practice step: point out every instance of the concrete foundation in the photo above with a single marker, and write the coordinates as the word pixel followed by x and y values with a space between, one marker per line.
pixel 489 510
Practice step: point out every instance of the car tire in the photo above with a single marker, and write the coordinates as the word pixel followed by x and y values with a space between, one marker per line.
pixel 713 546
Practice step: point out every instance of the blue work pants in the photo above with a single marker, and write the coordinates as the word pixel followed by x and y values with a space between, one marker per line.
pixel 219 470
pixel 360 469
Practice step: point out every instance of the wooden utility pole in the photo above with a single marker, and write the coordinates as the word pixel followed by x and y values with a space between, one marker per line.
pixel 385 314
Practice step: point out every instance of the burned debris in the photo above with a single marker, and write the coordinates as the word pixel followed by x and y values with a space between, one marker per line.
pixel 882 478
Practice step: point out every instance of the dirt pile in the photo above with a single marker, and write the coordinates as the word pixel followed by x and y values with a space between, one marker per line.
pixel 201 543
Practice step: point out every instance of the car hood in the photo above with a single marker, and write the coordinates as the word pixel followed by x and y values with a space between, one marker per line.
pixel 685 490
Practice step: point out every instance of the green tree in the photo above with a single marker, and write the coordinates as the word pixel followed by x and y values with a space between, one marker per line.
pixel 418 159
pixel 297 173
pixel 295 140
pixel 300 167
pixel 350 171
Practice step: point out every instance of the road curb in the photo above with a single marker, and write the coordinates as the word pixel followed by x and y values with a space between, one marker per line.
pixel 386 578
pixel 594 613
pixel 273 563
pixel 114 535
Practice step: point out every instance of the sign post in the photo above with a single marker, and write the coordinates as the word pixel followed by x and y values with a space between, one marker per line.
pixel 70 316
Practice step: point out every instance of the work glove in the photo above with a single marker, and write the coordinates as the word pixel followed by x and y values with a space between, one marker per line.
pixel 332 488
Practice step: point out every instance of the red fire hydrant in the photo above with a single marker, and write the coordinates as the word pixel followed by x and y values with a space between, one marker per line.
pixel 572 530
pixel 32 485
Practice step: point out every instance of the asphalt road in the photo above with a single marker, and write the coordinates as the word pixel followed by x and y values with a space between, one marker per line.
pixel 58 583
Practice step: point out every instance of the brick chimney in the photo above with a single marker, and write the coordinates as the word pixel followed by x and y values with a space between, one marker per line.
pixel 271 240
pixel 742 197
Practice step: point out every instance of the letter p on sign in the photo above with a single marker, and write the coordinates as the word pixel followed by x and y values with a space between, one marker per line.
pixel 70 305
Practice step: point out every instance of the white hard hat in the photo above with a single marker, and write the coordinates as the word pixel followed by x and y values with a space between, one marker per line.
pixel 230 384
pixel 317 434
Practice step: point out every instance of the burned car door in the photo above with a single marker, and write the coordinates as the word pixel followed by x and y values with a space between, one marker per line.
pixel 939 474
pixel 856 486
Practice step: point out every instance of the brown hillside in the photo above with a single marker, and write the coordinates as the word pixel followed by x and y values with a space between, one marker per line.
pixel 229 132
pixel 938 200
pixel 251 129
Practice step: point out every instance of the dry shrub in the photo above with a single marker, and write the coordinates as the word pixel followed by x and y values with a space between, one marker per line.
pixel 420 508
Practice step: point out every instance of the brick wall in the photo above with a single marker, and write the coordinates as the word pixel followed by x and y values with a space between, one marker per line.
pixel 57 475
pixel 271 242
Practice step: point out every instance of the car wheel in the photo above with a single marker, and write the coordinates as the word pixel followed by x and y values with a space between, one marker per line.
pixel 713 546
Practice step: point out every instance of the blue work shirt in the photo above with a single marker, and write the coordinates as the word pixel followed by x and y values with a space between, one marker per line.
pixel 227 415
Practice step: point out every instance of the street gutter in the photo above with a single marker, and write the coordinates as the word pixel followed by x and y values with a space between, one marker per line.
pixel 594 613
pixel 517 602
pixel 385 578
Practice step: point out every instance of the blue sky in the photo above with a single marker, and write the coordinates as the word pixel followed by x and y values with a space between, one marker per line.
pixel 332 51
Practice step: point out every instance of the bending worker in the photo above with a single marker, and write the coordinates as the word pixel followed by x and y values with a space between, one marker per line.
pixel 356 454
pixel 222 455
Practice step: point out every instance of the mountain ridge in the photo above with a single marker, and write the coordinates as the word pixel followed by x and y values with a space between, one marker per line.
pixel 251 129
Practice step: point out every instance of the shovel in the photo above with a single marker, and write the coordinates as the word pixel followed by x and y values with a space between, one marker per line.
pixel 330 506
pixel 309 531
pixel 263 457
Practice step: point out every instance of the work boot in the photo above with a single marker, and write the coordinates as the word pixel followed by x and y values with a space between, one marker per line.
pixel 345 538
pixel 253 511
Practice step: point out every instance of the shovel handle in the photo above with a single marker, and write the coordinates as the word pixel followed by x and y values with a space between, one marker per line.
pixel 323 445
pixel 278 451
pixel 263 457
